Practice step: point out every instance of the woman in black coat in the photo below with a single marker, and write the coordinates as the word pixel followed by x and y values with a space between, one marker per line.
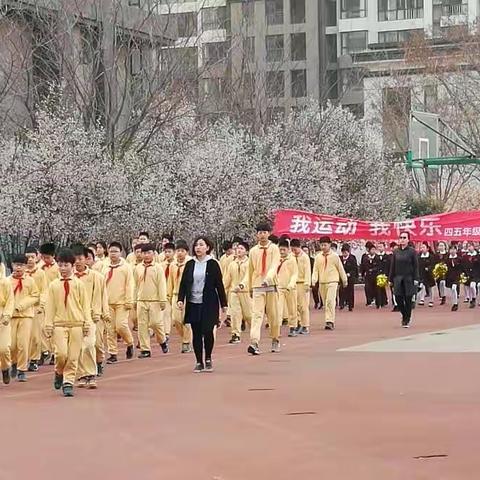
pixel 202 288
pixel 404 277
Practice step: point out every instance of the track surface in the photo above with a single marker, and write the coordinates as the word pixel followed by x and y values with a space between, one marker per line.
pixel 311 412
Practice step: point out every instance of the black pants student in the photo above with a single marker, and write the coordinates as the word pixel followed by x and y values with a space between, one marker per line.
pixel 370 288
pixel 203 337
pixel 347 295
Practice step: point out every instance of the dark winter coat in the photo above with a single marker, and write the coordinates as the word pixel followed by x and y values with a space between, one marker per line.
pixel 425 267
pixel 404 271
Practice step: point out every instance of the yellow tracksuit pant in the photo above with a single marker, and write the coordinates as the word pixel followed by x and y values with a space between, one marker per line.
pixel 287 306
pixel 264 302
pixel 47 343
pixel 5 342
pixel 184 331
pixel 167 319
pixel 36 337
pixel 68 343
pixel 150 315
pixel 328 292
pixel 87 363
pixel 240 309
pixel 100 334
pixel 303 306
pixel 20 346
pixel 132 318
pixel 118 325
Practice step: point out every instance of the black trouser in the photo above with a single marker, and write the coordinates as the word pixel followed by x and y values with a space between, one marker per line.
pixel 370 288
pixel 316 296
pixel 380 296
pixel 347 295
pixel 202 334
pixel 405 306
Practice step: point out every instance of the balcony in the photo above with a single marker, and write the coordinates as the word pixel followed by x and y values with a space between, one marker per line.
pixel 454 15
pixel 400 14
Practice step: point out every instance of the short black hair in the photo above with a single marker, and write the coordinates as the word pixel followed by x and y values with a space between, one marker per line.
pixel 206 240
pixel 181 244
pixel 31 250
pixel 273 239
pixel 334 245
pixel 345 247
pixel 169 246
pixel 144 234
pixel 393 244
pixel 47 249
pixel 168 236
pixel 66 256
pixel 369 245
pixel 90 253
pixel 20 259
pixel 264 227
pixel 227 245
pixel 295 242
pixel 237 239
pixel 116 245
pixel 284 243
pixel 325 240
pixel 405 233
pixel 79 250
pixel 146 247
pixel 102 243
pixel 244 244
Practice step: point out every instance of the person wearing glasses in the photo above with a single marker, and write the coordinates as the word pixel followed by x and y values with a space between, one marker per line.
pixel 404 277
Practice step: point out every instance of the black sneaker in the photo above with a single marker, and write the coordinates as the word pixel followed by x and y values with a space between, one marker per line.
pixel 57 381
pixel 198 368
pixel 164 346
pixel 304 331
pixel 275 346
pixel 244 326
pixel 67 390
pixel 208 366
pixel 144 354
pixel 112 359
pixel 292 332
pixel 228 322
pixel 454 308
pixel 329 326
pixel 129 353
pixel 99 369
pixel 472 303
pixel 395 308
pixel 284 322
pixel 350 309
pixel 253 349
pixel 21 376
pixel 6 376
pixel 33 366
pixel 443 301
pixel 234 340
pixel 52 360
pixel 13 371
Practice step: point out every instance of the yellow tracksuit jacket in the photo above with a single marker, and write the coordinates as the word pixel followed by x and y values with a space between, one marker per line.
pixel 150 282
pixel 7 300
pixel 287 273
pixel 236 274
pixel 93 283
pixel 120 284
pixel 255 275
pixel 26 298
pixel 328 269
pixel 304 269
pixel 41 281
pixel 51 271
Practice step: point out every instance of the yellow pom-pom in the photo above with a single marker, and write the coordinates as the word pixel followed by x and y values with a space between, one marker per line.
pixel 440 271
pixel 382 280
pixel 463 279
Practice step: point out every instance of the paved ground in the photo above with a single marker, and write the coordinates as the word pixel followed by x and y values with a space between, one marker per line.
pixel 314 411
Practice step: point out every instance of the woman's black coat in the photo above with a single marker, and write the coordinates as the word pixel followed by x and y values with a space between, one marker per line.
pixel 404 271
pixel 213 293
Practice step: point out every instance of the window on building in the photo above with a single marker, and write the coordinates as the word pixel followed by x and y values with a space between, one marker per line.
pixel 298 46
pixel 430 97
pixel 248 12
pixel 274 48
pixel 180 62
pixel 133 3
pixel 354 42
pixel 187 24
pixel 297 11
pixel 331 13
pixel 215 52
pixel 249 49
pixel 397 36
pixel 275 84
pixel 274 12
pixel 353 8
pixel 299 83
pixel 399 9
pixel 214 87
pixel 214 18
pixel 136 61
pixel 332 52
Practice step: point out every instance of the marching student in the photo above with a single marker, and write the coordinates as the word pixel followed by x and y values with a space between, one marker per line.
pixel 426 263
pixel 287 273
pixel 120 291
pixel 329 273
pixel 133 258
pixel 38 324
pixel 26 296
pixel 67 321
pixel 236 282
pixel 262 280
pixel 7 304
pixel 383 268
pixel 167 264
pixel 173 287
pixel 101 251
pixel 225 260
pixel 347 294
pixel 471 262
pixel 315 294
pixel 369 272
pixel 151 299
pixel 455 270
pixel 304 280
pixel 166 239
pixel 93 283
pixel 441 257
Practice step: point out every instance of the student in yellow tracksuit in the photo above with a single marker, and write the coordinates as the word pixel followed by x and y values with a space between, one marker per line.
pixel 167 264
pixel 68 319
pixel 93 283
pixel 7 303
pixel 26 296
pixel 173 286
pixel 262 280
pixel 151 298
pixel 287 273
pixel 120 291
pixel 38 324
pixel 225 260
pixel 304 281
pixel 328 271
pixel 50 267
pixel 236 282
pixel 135 256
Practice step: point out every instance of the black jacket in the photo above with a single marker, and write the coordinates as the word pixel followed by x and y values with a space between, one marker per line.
pixel 369 266
pixel 384 263
pixel 213 293
pixel 404 271
pixel 426 266
pixel 351 268
pixel 455 269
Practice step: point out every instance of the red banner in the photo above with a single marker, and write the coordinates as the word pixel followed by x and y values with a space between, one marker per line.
pixel 453 226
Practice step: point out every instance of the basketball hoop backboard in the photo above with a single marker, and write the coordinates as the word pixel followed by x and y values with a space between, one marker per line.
pixel 424 142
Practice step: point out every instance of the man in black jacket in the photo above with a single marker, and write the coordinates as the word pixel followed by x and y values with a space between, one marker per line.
pixel 347 294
